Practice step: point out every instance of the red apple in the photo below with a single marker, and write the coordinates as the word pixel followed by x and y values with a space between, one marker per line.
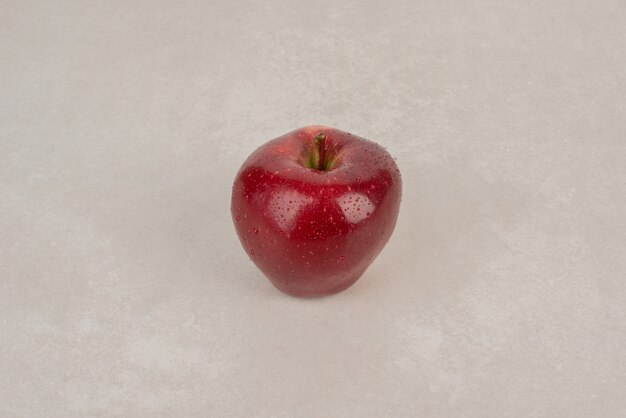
pixel 313 208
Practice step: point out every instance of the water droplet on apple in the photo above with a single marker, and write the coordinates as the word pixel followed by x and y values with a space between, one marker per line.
pixel 256 230
pixel 342 258
pixel 252 251
pixel 237 218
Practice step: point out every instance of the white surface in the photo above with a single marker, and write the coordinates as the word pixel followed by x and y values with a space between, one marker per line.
pixel 124 290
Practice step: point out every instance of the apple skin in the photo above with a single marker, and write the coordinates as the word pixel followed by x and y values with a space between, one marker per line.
pixel 314 232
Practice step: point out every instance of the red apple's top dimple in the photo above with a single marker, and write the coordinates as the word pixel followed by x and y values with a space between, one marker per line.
pixel 315 217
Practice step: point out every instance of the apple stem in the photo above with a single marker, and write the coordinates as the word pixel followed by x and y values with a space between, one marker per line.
pixel 320 143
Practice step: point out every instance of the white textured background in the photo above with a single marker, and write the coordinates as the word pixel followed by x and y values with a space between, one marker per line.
pixel 124 291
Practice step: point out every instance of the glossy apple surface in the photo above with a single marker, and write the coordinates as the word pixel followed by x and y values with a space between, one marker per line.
pixel 313 208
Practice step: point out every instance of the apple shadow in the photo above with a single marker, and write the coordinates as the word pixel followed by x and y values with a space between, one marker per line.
pixel 451 220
